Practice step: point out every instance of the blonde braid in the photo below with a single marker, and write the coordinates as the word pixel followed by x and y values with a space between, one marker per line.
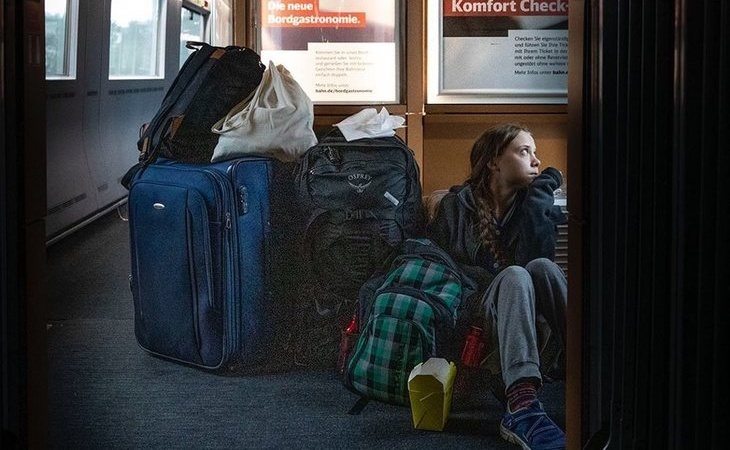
pixel 487 226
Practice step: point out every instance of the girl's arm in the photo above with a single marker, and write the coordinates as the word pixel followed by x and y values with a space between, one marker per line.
pixel 542 187
pixel 539 218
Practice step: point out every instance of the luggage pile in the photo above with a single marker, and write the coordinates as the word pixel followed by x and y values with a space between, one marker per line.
pixel 225 266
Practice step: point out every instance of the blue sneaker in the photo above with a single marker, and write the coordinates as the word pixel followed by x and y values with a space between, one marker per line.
pixel 532 429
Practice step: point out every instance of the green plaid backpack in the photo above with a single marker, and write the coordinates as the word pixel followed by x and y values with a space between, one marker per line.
pixel 409 315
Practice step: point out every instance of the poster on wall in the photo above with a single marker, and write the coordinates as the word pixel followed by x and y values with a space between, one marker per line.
pixel 491 51
pixel 339 51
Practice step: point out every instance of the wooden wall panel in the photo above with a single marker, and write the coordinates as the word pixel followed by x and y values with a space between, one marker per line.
pixel 448 139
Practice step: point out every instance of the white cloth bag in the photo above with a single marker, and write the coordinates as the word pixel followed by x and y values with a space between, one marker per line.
pixel 277 121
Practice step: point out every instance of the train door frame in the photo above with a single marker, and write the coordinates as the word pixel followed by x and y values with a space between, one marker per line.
pixel 414 106
pixel 576 228
pixel 23 187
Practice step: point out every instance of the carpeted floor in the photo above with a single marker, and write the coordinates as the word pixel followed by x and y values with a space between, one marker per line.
pixel 106 392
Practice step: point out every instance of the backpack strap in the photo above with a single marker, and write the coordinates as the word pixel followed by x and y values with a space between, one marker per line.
pixel 131 174
pixel 154 133
pixel 345 215
pixel 359 405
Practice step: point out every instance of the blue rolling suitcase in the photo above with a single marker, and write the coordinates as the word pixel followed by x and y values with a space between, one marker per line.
pixel 213 257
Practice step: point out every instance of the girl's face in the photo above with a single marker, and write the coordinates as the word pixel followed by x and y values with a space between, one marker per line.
pixel 518 165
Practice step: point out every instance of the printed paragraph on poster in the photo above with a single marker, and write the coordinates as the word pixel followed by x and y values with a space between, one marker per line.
pixel 331 64
pixel 344 71
pixel 524 60
pixel 538 54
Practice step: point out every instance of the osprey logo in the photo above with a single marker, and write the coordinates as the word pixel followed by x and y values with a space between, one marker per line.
pixel 359 181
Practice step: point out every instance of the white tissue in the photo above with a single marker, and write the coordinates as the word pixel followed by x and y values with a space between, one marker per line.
pixel 370 124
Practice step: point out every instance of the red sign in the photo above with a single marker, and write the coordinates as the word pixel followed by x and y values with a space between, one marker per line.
pixel 306 14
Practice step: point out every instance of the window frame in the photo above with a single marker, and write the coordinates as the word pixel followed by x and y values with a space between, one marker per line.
pixel 206 36
pixel 71 47
pixel 214 20
pixel 161 47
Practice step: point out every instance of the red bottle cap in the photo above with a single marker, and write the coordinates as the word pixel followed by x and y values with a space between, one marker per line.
pixel 352 326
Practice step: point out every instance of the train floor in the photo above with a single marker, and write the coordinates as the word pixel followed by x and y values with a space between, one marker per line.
pixel 106 392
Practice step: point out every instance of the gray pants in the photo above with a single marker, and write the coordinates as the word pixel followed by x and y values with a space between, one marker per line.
pixel 523 313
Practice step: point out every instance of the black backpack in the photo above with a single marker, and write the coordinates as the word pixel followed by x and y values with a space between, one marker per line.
pixel 363 199
pixel 211 82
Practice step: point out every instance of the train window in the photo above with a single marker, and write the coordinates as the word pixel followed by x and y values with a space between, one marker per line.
pixel 61 34
pixel 136 39
pixel 192 28
pixel 222 33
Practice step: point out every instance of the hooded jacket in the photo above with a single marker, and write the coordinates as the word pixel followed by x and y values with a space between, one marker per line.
pixel 527 231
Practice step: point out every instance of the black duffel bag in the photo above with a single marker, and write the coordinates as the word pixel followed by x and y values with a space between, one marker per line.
pixel 363 199
pixel 209 84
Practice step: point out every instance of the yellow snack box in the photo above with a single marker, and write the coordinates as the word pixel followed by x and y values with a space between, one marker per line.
pixel 430 386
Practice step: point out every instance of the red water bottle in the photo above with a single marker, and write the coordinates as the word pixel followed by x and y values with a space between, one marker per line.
pixel 468 376
pixel 347 342
pixel 474 345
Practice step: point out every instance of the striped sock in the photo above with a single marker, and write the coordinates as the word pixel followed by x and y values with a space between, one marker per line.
pixel 521 394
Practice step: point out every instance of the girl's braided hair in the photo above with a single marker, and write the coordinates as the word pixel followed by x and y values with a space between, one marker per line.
pixel 491 144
